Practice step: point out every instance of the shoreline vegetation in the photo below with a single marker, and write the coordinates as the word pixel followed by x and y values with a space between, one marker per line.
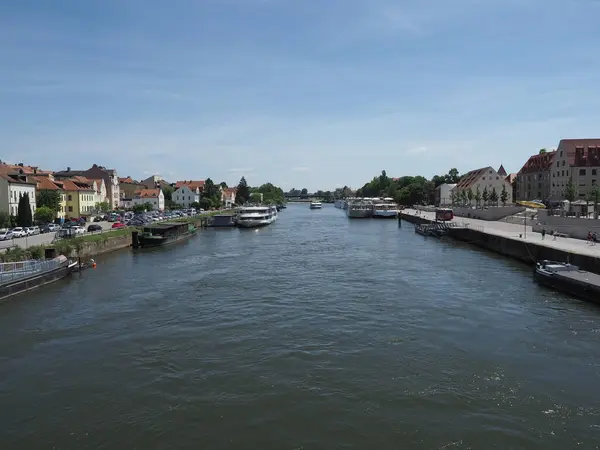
pixel 97 243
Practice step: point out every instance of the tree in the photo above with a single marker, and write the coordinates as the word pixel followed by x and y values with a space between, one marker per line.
pixel 50 199
pixel 304 192
pixel 24 215
pixel 485 196
pixel 223 185
pixel 453 196
pixel 570 192
pixel 242 194
pixel 102 206
pixel 542 151
pixel 142 207
pixel 212 193
pixel 453 177
pixel 494 196
pixel 44 214
pixel 594 196
pixel 463 197
pixel 168 193
pixel 504 195
pixel 477 197
pixel 470 196
pixel 4 219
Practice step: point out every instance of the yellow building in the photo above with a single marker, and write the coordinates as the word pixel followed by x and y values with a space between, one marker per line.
pixel 81 198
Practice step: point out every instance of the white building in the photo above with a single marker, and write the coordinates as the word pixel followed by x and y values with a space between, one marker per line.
pixel 153 196
pixel 443 195
pixel 186 195
pixel 12 187
pixel 482 180
pixel 228 196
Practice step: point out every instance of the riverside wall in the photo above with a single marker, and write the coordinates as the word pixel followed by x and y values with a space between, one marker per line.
pixel 521 250
pixel 94 248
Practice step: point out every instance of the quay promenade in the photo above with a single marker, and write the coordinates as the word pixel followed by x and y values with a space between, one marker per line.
pixel 517 232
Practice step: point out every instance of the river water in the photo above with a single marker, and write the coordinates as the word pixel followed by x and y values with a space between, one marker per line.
pixel 317 332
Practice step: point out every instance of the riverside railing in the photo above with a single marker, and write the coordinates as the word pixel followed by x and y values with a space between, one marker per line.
pixel 15 271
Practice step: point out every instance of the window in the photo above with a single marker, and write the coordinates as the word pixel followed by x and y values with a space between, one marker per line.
pixel 563 162
pixel 560 154
pixel 557 163
pixel 70 208
pixel 497 178
pixel 582 172
pixel 593 182
pixel 563 173
pixel 593 171
pixel 70 198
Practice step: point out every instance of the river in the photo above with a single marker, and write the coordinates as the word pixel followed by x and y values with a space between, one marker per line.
pixel 317 332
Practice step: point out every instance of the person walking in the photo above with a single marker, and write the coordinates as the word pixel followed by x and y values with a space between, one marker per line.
pixel 594 238
pixel 543 233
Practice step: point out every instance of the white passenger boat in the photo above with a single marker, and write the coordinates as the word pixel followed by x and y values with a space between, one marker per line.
pixel 316 205
pixel 256 216
pixel 339 203
pixel 385 209
pixel 359 208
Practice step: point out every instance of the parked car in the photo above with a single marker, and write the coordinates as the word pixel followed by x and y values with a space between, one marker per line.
pixel 19 232
pixel 77 229
pixel 49 228
pixel 118 225
pixel 34 230
pixel 93 228
pixel 6 235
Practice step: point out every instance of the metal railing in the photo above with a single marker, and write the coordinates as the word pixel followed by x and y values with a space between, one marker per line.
pixel 15 271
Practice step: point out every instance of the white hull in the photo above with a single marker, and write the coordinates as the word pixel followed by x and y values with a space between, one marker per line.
pixel 316 206
pixel 256 216
pixel 386 214
pixel 255 223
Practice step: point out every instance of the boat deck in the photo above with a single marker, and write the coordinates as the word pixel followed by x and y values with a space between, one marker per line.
pixel 582 277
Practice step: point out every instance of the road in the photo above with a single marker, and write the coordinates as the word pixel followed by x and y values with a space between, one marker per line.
pixel 41 239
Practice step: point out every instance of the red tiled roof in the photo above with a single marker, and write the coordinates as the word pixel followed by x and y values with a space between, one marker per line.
pixel 191 184
pixel 229 191
pixel 46 184
pixel 581 152
pixel 19 179
pixel 502 171
pixel 128 180
pixel 148 193
pixel 539 162
pixel 470 178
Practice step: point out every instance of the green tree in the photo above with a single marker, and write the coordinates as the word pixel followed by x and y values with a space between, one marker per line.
pixel 271 194
pixel 494 196
pixel 485 196
pixel 168 193
pixel 570 192
pixel 142 207
pixel 223 185
pixel 205 203
pixel 463 197
pixel 4 219
pixel 50 199
pixel 504 195
pixel 24 215
pixel 103 206
pixel 470 196
pixel 478 197
pixel 542 151
pixel 242 194
pixel 43 214
pixel 304 192
pixel 452 177
pixel 594 196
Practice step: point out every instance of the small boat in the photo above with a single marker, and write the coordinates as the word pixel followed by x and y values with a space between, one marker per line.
pixel 256 216
pixel 164 233
pixel 316 205
pixel 569 279
pixel 359 209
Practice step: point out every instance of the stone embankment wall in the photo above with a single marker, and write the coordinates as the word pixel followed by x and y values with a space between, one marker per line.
pixel 93 248
pixel 572 226
pixel 527 252
pixel 488 213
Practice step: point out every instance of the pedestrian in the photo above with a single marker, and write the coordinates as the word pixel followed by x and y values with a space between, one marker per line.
pixel 594 238
pixel 590 237
pixel 543 233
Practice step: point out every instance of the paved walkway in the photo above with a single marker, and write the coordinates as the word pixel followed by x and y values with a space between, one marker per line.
pixel 517 232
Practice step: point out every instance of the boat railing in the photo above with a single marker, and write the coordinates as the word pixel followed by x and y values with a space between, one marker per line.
pixel 14 271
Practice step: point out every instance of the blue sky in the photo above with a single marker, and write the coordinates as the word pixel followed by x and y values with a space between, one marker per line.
pixel 301 93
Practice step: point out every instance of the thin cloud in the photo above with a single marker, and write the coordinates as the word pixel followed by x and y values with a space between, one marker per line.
pixel 301 169
pixel 417 150
pixel 241 170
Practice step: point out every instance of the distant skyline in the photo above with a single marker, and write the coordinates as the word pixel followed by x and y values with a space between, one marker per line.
pixel 303 94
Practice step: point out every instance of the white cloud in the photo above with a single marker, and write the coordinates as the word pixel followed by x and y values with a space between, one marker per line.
pixel 417 150
pixel 301 169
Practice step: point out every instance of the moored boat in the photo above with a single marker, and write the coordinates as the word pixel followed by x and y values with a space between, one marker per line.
pixel 569 279
pixel 385 209
pixel 359 209
pixel 164 233
pixel 316 205
pixel 256 216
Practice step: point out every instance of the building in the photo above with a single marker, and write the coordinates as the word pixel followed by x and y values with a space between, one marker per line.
pixel 81 197
pixel 186 195
pixel 228 196
pixel 153 196
pixel 101 194
pixel 443 194
pixel 577 160
pixel 46 183
pixel 152 182
pixel 193 184
pixel 111 180
pixel 486 178
pixel 511 179
pixel 12 187
pixel 533 181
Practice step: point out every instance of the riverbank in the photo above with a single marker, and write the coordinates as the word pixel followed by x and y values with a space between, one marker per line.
pixel 516 241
